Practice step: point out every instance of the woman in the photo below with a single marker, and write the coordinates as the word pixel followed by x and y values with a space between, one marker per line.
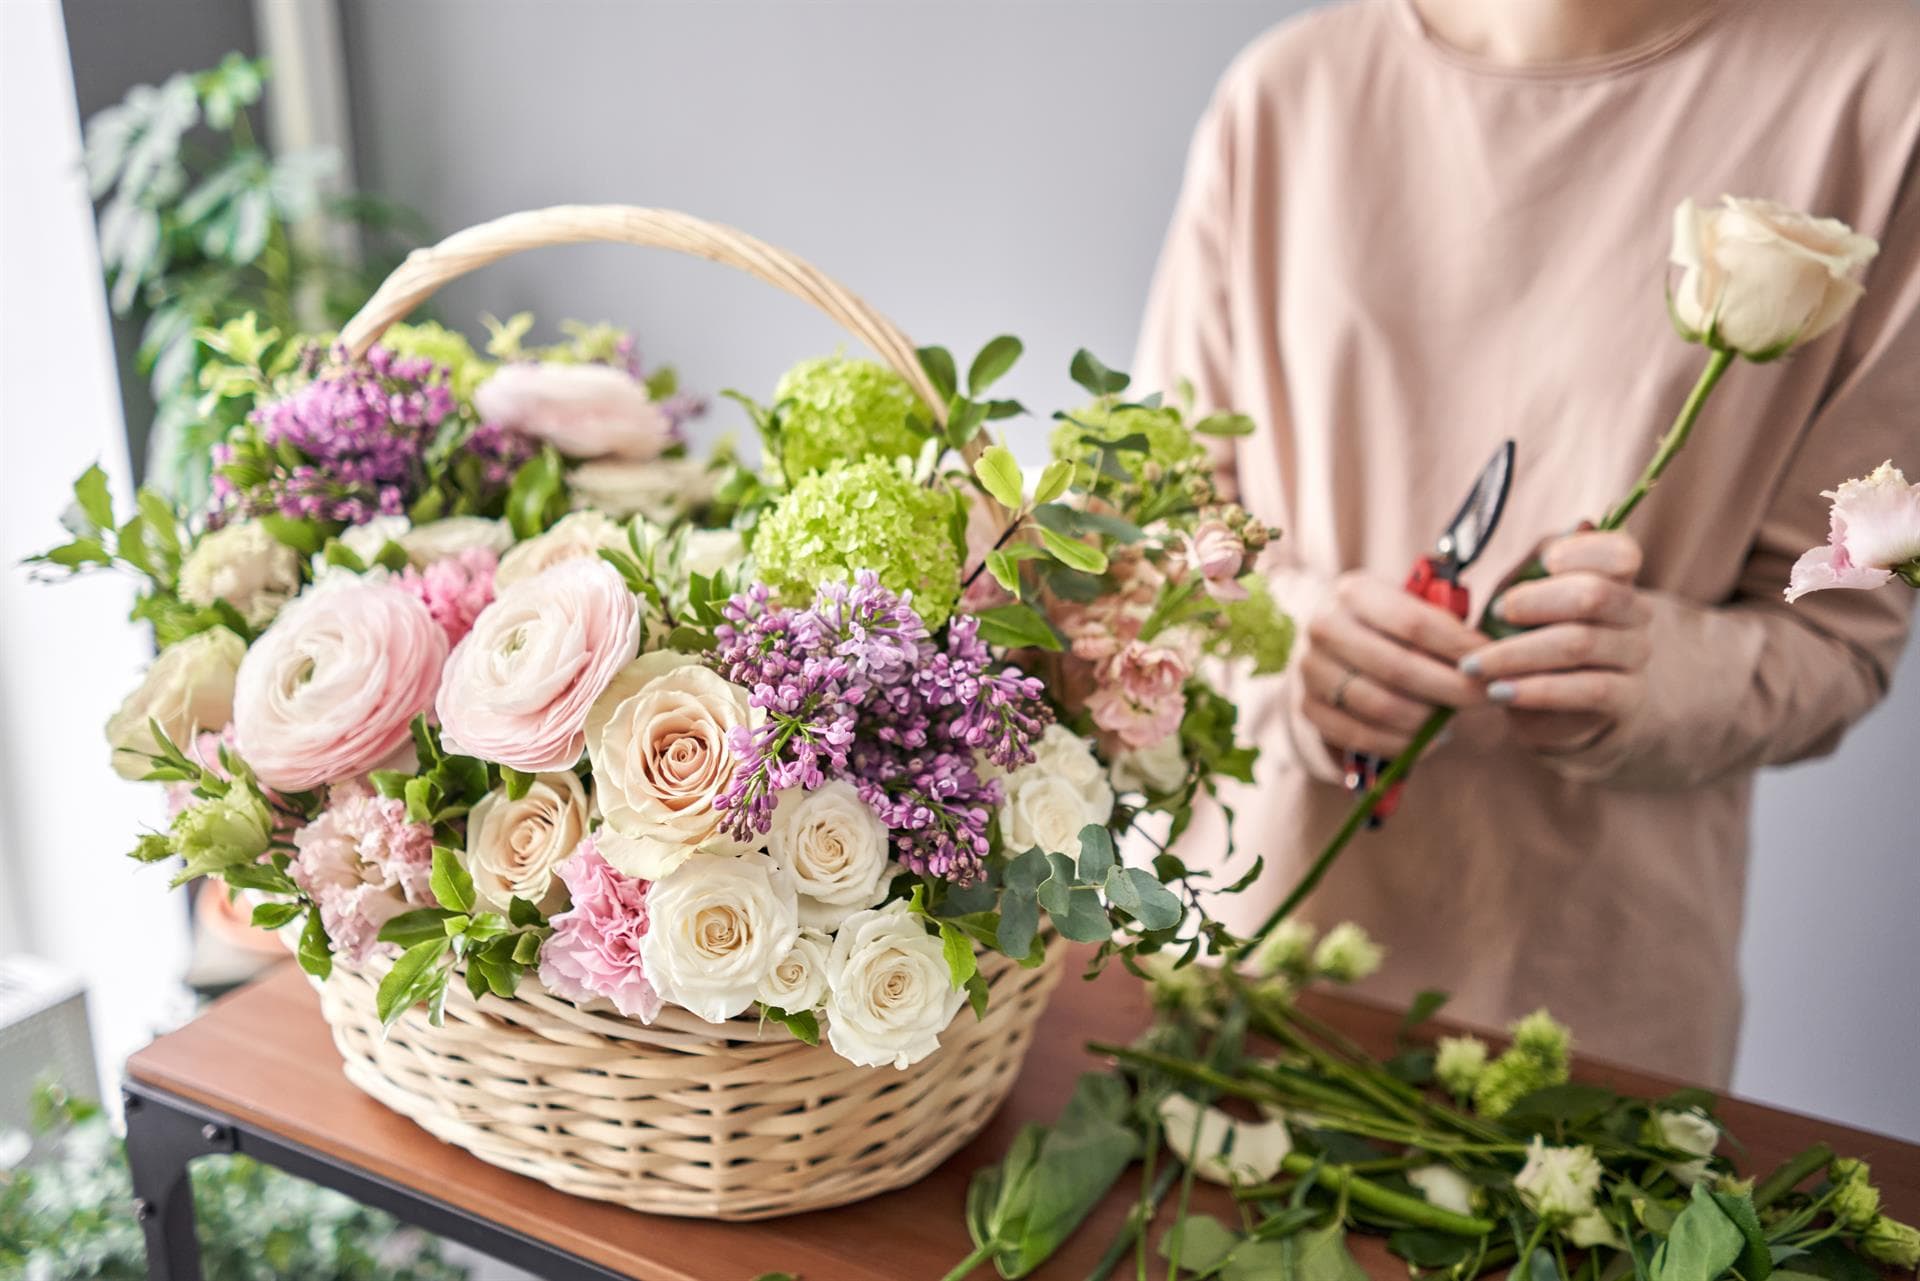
pixel 1412 228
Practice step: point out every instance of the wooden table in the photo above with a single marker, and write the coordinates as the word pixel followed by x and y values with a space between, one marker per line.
pixel 257 1073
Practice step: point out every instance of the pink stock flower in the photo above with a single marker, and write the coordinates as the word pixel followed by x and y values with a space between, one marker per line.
pixel 1874 531
pixel 1216 553
pixel 327 692
pixel 1140 697
pixel 364 864
pixel 454 589
pixel 584 411
pixel 594 950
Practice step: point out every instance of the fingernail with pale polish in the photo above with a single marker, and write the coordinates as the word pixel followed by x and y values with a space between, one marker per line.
pixel 1470 665
pixel 1500 692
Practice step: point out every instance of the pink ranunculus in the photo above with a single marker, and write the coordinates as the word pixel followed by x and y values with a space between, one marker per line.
pixel 517 690
pixel 454 588
pixel 1141 698
pixel 584 411
pixel 1216 553
pixel 594 950
pixel 363 863
pixel 1873 531
pixel 327 692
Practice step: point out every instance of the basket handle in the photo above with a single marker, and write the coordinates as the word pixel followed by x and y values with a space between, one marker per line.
pixel 425 270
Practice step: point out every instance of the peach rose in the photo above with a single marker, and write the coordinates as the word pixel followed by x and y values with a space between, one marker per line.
pixel 580 535
pixel 584 411
pixel 514 847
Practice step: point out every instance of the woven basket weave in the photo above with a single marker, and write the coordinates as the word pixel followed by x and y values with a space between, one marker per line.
pixel 728 1121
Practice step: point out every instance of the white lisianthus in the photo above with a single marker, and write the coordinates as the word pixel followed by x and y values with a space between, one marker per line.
pixel 1152 771
pixel 1689 1131
pixel 514 846
pixel 1048 800
pixel 1443 1186
pixel 451 535
pixel 889 993
pixel 581 534
pixel 717 926
pixel 1222 1148
pixel 662 490
pixel 1592 1229
pixel 1760 278
pixel 189 688
pixel 1346 954
pixel 798 981
pixel 1558 1184
pixel 245 566
pixel 835 848
pixel 1287 949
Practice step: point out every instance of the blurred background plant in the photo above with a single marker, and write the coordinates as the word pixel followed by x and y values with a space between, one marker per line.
pixel 200 223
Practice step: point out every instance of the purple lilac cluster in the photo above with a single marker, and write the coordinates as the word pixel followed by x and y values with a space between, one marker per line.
pixel 361 430
pixel 501 451
pixel 854 687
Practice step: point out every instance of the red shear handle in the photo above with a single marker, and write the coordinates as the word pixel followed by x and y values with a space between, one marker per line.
pixel 1429 584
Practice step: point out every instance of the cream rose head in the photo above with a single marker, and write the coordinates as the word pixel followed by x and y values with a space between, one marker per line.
pixel 836 849
pixel 889 993
pixel 710 551
pixel 1047 801
pixel 717 926
pixel 438 539
pixel 1760 278
pixel 797 982
pixel 584 411
pixel 514 847
pixel 576 537
pixel 188 689
pixel 658 742
pixel 663 489
pixel 245 566
pixel 327 692
pixel 518 688
pixel 1151 771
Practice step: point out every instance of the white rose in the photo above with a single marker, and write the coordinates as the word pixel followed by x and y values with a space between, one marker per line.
pixel 1689 1131
pixel 1592 1229
pixel 1761 278
pixel 1223 1149
pixel 439 539
pixel 1152 771
pixel 657 738
pixel 709 551
pixel 836 848
pixel 1558 1184
pixel 1047 801
pixel 662 490
pixel 514 846
pixel 798 981
pixel 188 689
pixel 889 992
pixel 1443 1186
pixel 581 534
pixel 245 566
pixel 716 927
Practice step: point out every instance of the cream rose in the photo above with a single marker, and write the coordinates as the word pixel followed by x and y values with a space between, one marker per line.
pixel 1761 278
pixel 514 847
pixel 1047 801
pixel 579 535
pixel 717 927
pixel 1690 1131
pixel 658 742
pixel 889 994
pixel 710 551
pixel 835 847
pixel 584 411
pixel 245 566
pixel 438 539
pixel 1152 771
pixel 189 688
pixel 663 490
pixel 798 981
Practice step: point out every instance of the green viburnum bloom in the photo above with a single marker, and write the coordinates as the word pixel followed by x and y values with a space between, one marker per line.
pixel 1286 950
pixel 466 368
pixel 1540 1056
pixel 1346 954
pixel 1256 628
pixel 864 515
pixel 1458 1062
pixel 224 829
pixel 1891 1242
pixel 844 409
pixel 1169 443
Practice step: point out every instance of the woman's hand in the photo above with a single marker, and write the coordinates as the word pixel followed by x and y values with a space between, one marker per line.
pixel 1377 661
pixel 1583 670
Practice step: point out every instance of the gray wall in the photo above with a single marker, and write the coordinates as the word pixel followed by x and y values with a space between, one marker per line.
pixel 973 165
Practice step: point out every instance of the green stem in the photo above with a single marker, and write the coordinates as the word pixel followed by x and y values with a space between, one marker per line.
pixel 966 1266
pixel 1417 1211
pixel 1135 1228
pixel 1673 441
pixel 1791 1174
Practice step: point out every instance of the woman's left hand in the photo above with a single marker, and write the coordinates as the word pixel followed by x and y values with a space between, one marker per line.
pixel 1582 669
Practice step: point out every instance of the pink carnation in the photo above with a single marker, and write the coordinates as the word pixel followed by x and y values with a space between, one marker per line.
pixel 454 589
pixel 1874 531
pixel 364 864
pixel 594 950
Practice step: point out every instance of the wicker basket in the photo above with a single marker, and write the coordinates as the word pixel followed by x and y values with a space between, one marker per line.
pixel 730 1121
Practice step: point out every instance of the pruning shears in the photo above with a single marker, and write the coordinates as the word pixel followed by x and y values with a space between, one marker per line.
pixel 1436 579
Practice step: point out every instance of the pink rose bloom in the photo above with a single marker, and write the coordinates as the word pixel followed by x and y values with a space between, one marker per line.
pixel 363 863
pixel 327 692
pixel 1216 553
pixel 1874 530
pixel 454 589
pixel 584 411
pixel 517 690
pixel 1140 698
pixel 594 950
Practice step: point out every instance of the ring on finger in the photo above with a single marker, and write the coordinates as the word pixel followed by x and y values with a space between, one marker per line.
pixel 1339 698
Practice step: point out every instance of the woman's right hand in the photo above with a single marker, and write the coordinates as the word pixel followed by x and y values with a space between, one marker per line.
pixel 1378 661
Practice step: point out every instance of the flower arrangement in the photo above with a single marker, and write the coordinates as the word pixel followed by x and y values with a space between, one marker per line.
pixel 471 672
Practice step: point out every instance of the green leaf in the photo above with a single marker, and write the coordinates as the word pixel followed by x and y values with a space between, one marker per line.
pixel 1427 1249
pixel 1085 920
pixel 1000 476
pixel 91 494
pixel 958 949
pixel 526 948
pixel 1756 1260
pixel 1224 425
pixel 1571 1104
pixel 536 494
pixel 978 995
pixel 938 362
pixel 450 882
pixel 804 1025
pixel 1054 479
pixel 994 360
pixel 1096 854
pixel 1135 891
pixel 1005 568
pixel 1200 1242
pixel 304 536
pixel 271 916
pixel 1323 1256
pixel 416 926
pixel 1073 553
pixel 1425 1005
pixel 1017 626
pixel 1025 871
pixel 524 914
pixel 1087 370
pixel 315 952
pixel 407 983
pixel 1703 1244
pixel 516 782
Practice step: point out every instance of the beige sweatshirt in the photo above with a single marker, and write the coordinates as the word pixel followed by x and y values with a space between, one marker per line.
pixel 1394 256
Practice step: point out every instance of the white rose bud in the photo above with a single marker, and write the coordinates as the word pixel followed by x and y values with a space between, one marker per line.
pixel 717 926
pixel 798 981
pixel 581 534
pixel 1151 771
pixel 835 848
pixel 439 539
pixel 1048 800
pixel 1760 278
pixel 1558 1184
pixel 1689 1131
pixel 662 490
pixel 245 566
pixel 514 846
pixel 890 995
pixel 188 689
pixel 1443 1186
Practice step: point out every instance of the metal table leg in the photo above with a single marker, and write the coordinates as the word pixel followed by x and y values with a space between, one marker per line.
pixel 161 1142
